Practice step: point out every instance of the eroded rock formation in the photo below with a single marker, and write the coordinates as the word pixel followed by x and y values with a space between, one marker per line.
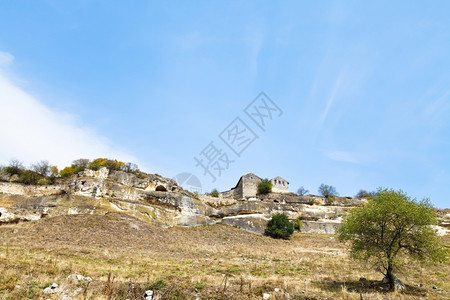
pixel 161 201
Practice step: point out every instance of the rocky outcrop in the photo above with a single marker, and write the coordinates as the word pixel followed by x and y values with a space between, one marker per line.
pixel 161 201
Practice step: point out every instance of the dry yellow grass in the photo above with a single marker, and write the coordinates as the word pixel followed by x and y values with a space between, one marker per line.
pixel 124 256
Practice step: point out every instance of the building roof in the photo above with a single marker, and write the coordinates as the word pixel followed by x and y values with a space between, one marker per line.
pixel 246 176
pixel 279 178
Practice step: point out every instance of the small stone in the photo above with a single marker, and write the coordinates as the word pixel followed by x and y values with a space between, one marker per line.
pixel 51 289
pixel 65 297
pixel 148 295
pixel 362 279
pixel 434 287
pixel 276 290
pixel 266 296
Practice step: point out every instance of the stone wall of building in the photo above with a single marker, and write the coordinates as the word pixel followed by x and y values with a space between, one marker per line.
pixel 249 185
pixel 279 185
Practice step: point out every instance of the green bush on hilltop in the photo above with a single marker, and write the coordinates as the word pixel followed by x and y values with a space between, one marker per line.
pixel 279 227
pixel 265 186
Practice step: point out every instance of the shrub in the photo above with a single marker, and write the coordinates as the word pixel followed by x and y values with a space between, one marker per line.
pixel 44 181
pixel 265 186
pixel 364 194
pixel 42 168
pixel 15 167
pixel 280 227
pixel 141 175
pixel 29 177
pixel 68 171
pixel 81 163
pixel 157 285
pixel 131 168
pixel 54 171
pixel 214 193
pixel 302 191
pixel 298 224
pixel 112 165
pixel 327 191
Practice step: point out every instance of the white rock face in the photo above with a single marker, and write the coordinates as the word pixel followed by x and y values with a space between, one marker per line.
pixel 102 173
pixel 5 216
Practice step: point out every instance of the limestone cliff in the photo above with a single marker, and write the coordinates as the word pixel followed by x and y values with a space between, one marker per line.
pixel 161 201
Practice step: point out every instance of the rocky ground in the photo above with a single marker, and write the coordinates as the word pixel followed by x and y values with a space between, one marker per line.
pixel 161 201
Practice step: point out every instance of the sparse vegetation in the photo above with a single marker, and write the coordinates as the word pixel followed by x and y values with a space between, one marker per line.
pixel 302 191
pixel 15 167
pixel 43 173
pixel 214 193
pixel 29 177
pixel 308 266
pixel 265 186
pixel 390 227
pixel 42 168
pixel 280 227
pixel 298 225
pixel 327 191
pixel 364 194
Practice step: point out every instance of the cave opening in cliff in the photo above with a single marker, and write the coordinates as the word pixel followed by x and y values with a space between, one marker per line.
pixel 161 188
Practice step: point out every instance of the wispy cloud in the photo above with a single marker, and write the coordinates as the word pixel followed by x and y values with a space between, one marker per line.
pixel 31 131
pixel 5 58
pixel 332 97
pixel 254 41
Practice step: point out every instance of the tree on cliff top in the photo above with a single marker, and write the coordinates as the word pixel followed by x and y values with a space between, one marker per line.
pixel 390 227
pixel 327 191
pixel 265 186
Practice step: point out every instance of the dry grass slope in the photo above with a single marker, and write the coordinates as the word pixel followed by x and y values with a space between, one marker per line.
pixel 125 256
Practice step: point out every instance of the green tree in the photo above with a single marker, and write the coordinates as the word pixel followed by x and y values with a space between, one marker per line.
pixel 112 165
pixel 265 186
pixel 214 193
pixel 389 228
pixel 29 177
pixel 280 227
pixel 327 191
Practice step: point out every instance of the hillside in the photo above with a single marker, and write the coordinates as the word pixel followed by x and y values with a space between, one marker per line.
pixel 130 233
pixel 124 256
pixel 161 201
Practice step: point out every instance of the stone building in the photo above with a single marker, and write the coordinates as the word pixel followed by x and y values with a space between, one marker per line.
pixel 247 187
pixel 279 185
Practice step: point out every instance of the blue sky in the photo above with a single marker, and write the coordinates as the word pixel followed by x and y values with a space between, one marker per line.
pixel 364 88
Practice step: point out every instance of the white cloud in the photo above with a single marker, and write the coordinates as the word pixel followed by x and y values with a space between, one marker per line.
pixel 30 131
pixel 5 58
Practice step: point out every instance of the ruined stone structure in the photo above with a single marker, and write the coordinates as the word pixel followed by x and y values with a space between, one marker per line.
pixel 247 187
pixel 279 185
